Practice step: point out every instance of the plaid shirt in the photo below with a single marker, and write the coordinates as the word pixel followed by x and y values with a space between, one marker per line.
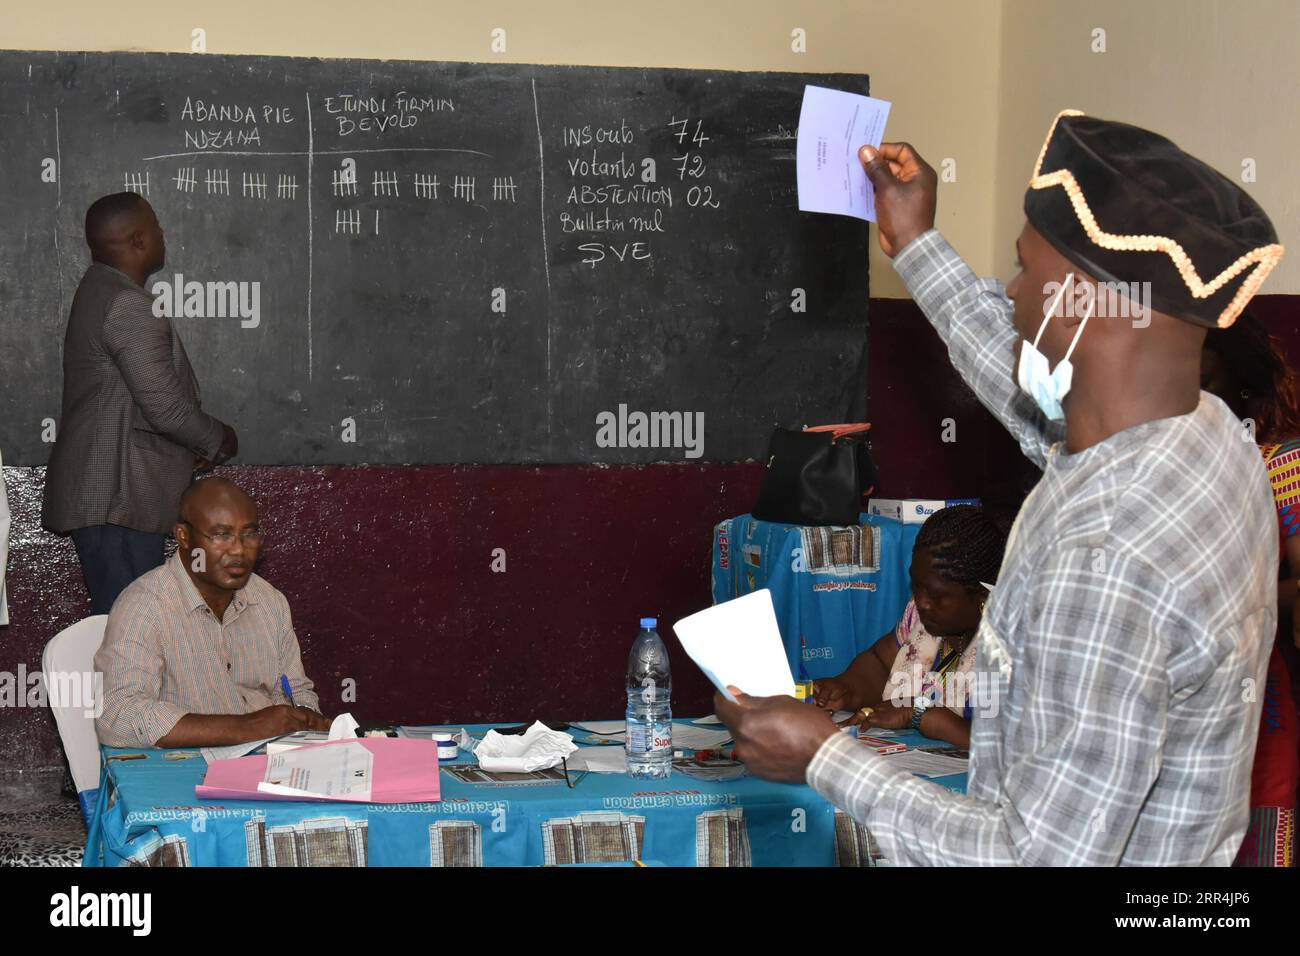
pixel 1122 655
pixel 166 655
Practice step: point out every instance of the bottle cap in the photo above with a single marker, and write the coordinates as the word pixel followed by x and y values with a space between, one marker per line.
pixel 649 621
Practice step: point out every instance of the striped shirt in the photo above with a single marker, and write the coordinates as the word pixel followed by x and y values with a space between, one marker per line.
pixel 166 655
pixel 1121 657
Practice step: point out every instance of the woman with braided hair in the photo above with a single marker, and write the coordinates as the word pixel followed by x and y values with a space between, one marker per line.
pixel 1244 366
pixel 919 674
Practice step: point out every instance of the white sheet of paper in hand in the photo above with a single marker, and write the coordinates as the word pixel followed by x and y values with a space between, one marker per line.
pixel 739 643
pixel 833 126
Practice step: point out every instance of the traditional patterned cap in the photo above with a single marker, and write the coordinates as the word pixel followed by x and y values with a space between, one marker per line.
pixel 1127 205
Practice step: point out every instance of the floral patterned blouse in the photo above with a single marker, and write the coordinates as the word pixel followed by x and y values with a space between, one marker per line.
pixel 913 673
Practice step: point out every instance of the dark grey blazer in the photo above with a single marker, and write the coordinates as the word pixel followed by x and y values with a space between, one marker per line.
pixel 131 423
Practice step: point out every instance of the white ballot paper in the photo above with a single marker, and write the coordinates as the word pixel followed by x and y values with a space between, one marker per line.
pixel 927 765
pixel 213 754
pixel 833 126
pixel 603 727
pixel 343 771
pixel 599 759
pixel 738 643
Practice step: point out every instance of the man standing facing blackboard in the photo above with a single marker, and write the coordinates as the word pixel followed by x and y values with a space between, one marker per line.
pixel 132 433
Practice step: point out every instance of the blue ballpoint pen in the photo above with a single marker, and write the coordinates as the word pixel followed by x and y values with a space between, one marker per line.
pixel 284 683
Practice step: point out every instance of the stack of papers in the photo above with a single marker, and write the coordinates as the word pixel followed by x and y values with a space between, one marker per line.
pixel 927 764
pixel 370 770
pixel 344 726
pixel 685 736
pixel 302 738
pixel 213 754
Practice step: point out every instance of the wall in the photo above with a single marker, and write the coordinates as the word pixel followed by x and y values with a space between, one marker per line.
pixel 1217 78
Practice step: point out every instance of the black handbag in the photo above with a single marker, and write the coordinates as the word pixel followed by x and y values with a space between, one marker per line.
pixel 817 476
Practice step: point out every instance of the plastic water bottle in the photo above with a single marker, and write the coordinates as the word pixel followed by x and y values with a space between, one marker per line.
pixel 649 706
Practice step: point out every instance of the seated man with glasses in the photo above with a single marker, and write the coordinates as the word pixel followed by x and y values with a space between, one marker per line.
pixel 195 650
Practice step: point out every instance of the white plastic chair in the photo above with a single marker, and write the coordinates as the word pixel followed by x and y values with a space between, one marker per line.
pixel 68 664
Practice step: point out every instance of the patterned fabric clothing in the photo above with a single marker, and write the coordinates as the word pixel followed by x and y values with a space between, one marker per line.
pixel 915 671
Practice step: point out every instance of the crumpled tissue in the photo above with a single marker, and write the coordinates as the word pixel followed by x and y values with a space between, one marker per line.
pixel 538 748
pixel 343 727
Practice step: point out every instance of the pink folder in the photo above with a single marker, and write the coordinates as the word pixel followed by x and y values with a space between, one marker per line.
pixel 405 771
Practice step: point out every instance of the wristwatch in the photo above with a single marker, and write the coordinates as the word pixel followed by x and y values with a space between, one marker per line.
pixel 919 706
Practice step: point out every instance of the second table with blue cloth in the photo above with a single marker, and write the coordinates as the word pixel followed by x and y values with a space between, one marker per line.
pixel 836 590
pixel 148 815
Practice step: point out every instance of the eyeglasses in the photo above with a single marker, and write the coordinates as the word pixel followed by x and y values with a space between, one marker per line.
pixel 224 539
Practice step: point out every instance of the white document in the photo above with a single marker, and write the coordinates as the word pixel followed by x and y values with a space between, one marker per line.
pixel 603 727
pixel 303 738
pixel 599 759
pixel 833 126
pixel 232 751
pixel 699 738
pixel 342 771
pixel 342 726
pixel 927 765
pixel 464 739
pixel 711 719
pixel 684 735
pixel 739 643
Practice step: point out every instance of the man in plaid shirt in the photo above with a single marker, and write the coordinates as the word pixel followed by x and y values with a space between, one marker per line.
pixel 1122 653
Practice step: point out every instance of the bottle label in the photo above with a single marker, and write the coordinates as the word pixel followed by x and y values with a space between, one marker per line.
pixel 642 737
pixel 663 735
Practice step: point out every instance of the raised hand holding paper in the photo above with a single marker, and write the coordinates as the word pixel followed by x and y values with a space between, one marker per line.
pixel 739 643
pixel 833 126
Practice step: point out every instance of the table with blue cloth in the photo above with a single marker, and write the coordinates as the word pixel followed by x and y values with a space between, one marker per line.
pixel 836 590
pixel 148 815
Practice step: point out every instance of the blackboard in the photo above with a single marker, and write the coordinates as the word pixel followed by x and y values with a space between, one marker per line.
pixel 419 262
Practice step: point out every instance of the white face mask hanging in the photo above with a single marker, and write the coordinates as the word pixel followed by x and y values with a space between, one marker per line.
pixel 1047 389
